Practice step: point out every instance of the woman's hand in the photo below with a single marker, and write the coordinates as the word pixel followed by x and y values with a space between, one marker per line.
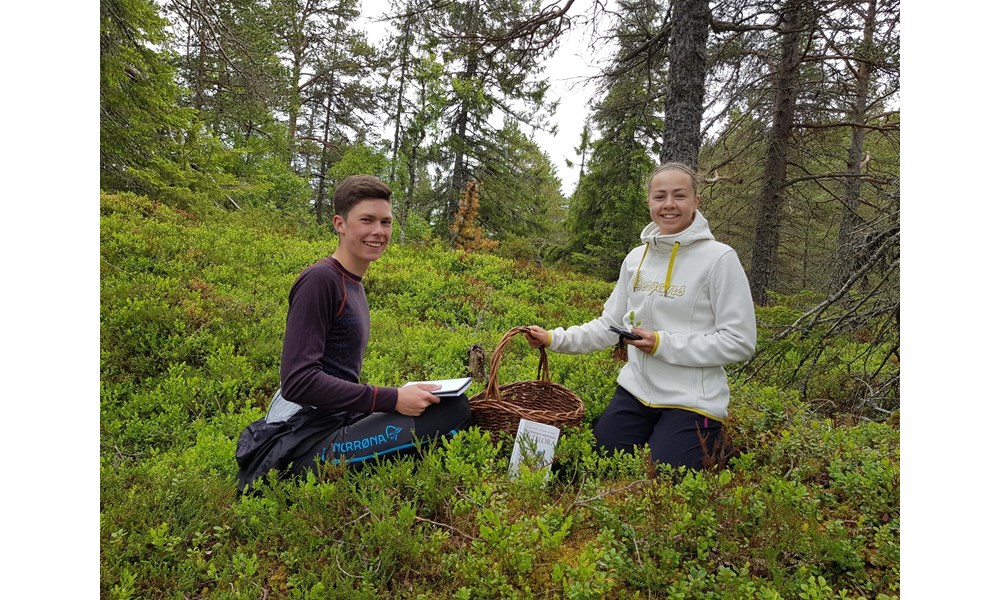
pixel 647 342
pixel 536 336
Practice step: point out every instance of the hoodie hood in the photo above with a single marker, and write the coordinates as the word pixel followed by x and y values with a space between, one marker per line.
pixel 698 230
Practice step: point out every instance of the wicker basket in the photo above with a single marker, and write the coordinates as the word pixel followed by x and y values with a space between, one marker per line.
pixel 501 407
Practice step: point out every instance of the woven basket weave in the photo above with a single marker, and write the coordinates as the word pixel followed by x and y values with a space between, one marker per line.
pixel 501 407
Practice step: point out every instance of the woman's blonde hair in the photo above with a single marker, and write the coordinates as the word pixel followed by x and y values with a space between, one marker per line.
pixel 674 166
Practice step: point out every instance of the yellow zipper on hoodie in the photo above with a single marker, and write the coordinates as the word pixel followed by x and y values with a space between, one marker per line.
pixel 649 300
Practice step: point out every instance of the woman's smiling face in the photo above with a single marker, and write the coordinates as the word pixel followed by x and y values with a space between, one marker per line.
pixel 672 201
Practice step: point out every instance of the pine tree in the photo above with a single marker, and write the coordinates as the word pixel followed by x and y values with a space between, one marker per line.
pixel 489 77
pixel 140 119
pixel 150 144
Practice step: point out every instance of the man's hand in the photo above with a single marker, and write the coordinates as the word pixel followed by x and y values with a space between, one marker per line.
pixel 536 336
pixel 412 400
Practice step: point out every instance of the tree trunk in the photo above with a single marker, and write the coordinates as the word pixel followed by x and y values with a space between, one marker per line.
pixel 411 166
pixel 683 106
pixel 458 174
pixel 307 167
pixel 294 101
pixel 460 133
pixel 584 146
pixel 769 206
pixel 324 163
pixel 850 237
pixel 398 117
pixel 199 74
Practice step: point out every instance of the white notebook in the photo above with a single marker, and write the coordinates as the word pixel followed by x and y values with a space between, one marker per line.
pixel 449 387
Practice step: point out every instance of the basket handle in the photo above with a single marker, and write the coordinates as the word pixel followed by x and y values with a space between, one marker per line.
pixel 493 387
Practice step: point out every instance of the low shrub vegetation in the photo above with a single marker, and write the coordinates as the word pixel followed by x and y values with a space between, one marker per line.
pixel 192 318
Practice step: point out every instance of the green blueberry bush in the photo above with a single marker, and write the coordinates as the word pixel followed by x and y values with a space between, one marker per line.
pixel 192 319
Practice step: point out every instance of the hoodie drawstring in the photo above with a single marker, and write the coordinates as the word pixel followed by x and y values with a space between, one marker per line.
pixel 670 268
pixel 635 284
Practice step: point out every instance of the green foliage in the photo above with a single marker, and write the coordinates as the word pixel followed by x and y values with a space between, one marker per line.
pixel 359 159
pixel 608 210
pixel 153 141
pixel 520 249
pixel 483 84
pixel 192 317
pixel 520 191
pixel 266 181
pixel 143 130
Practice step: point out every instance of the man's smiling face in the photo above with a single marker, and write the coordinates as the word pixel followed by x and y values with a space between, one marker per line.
pixel 365 233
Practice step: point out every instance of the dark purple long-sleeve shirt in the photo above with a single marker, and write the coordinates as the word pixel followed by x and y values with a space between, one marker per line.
pixel 325 337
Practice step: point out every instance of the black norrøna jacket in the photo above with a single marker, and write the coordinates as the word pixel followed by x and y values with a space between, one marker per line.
pixel 264 446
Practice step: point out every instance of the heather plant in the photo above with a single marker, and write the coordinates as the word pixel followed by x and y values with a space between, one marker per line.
pixel 804 505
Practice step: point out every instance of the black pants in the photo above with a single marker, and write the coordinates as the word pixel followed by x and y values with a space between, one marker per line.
pixel 675 436
pixel 387 434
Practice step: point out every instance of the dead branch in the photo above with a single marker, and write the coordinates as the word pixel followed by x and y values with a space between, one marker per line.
pixel 529 27
pixel 324 143
pixel 874 312
pixel 445 526
pixel 605 493
pixel 715 178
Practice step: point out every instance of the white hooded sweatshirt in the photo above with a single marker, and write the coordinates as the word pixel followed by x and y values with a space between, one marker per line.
pixel 692 291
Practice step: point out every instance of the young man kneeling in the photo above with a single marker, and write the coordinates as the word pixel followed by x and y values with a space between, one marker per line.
pixel 321 410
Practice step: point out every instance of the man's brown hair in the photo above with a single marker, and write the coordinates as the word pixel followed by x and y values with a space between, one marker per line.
pixel 356 188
